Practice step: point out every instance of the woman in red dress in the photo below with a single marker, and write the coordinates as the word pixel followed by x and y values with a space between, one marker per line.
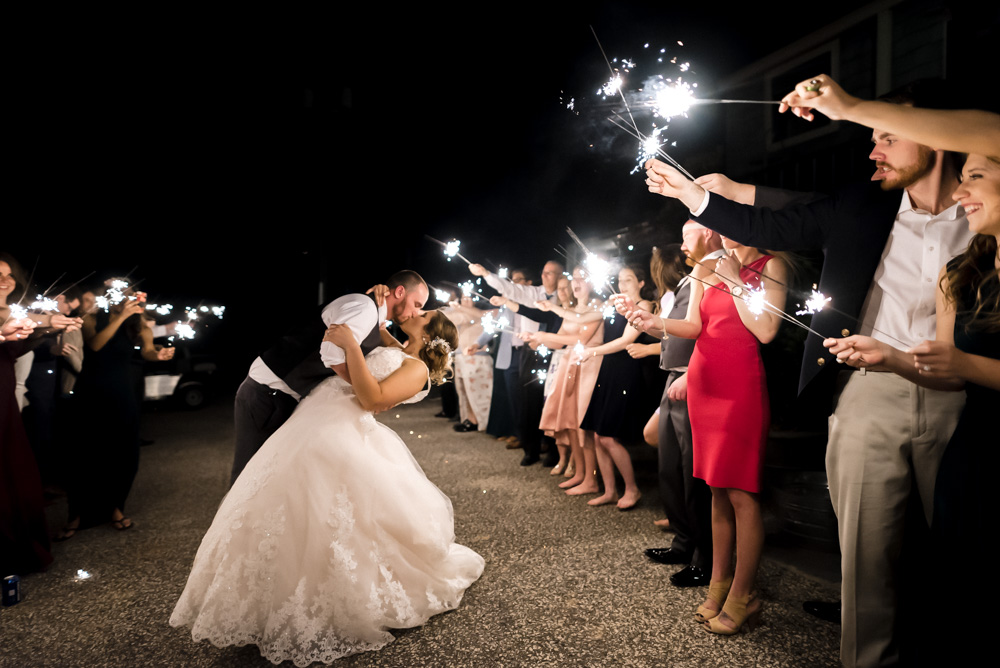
pixel 730 416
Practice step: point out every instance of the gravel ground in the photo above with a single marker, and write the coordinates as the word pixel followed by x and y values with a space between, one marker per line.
pixel 565 584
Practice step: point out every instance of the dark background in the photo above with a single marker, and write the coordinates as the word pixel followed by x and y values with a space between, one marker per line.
pixel 241 158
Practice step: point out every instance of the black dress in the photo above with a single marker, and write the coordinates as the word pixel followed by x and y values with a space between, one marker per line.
pixel 616 406
pixel 964 502
pixel 24 536
pixel 108 452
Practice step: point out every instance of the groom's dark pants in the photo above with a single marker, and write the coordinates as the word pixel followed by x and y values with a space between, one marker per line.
pixel 258 412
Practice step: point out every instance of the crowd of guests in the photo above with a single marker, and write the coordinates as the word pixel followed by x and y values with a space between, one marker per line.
pixel 911 366
pixel 63 364
pixel 577 369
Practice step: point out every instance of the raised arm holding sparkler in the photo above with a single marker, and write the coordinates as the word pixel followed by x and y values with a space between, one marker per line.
pixel 961 130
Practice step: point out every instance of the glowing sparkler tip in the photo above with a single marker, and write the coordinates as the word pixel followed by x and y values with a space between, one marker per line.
pixel 451 248
pixel 442 296
pixel 755 299
pixel 816 302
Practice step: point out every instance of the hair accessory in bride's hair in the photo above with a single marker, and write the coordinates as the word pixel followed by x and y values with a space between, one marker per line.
pixel 438 342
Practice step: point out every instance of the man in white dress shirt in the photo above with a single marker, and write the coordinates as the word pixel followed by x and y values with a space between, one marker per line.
pixel 529 396
pixel 887 435
pixel 298 362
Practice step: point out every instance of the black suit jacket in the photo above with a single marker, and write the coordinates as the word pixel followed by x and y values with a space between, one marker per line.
pixel 850 227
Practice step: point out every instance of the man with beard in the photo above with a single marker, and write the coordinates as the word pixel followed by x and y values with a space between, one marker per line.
pixel 291 368
pixel 882 253
pixel 687 500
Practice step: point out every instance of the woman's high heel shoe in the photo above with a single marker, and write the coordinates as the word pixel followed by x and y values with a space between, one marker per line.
pixel 558 468
pixel 743 611
pixel 718 591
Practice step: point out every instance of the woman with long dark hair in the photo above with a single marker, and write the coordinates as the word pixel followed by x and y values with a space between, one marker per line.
pixel 107 458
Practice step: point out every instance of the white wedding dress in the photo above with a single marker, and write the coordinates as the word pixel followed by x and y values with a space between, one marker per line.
pixel 331 535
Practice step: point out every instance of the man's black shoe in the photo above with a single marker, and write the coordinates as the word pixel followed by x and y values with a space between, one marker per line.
pixel 825 610
pixel 550 460
pixel 692 576
pixel 528 460
pixel 668 555
pixel 466 426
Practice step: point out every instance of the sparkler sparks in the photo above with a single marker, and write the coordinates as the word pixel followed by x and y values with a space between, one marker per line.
pixel 612 87
pixel 674 99
pixel 17 312
pixel 43 303
pixel 542 350
pixel 451 249
pixel 755 299
pixel 815 303
pixel 578 351
pixel 184 331
pixel 442 296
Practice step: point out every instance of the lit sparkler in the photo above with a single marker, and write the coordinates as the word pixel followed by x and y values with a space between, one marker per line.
pixel 451 249
pixel 184 330
pixel 578 351
pixel 543 350
pixel 755 299
pixel 442 296
pixel 608 312
pixel 502 272
pixel 815 303
pixel 612 87
pixel 43 303
pixel 673 99
pixel 493 325
pixel 17 312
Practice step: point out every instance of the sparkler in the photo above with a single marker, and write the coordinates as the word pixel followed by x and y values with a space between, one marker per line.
pixel 184 330
pixel 451 249
pixel 442 296
pixel 17 312
pixel 815 303
pixel 493 325
pixel 43 303
pixel 578 351
pixel 615 77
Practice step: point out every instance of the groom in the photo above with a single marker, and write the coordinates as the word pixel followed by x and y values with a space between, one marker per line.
pixel 300 361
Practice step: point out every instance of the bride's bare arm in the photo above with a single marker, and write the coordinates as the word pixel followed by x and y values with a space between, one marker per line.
pixel 406 381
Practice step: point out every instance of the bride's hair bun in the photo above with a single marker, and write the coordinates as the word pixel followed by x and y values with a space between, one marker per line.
pixel 443 339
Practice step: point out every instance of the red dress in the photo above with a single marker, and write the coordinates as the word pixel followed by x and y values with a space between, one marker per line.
pixel 727 393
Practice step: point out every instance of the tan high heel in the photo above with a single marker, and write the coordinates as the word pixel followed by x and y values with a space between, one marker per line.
pixel 744 611
pixel 718 591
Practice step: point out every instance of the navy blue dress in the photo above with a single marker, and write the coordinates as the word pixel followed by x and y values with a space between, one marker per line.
pixel 616 407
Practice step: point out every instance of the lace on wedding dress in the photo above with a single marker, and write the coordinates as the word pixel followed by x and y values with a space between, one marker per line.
pixel 330 536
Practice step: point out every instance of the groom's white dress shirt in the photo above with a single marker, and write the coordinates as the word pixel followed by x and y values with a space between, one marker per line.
pixel 357 311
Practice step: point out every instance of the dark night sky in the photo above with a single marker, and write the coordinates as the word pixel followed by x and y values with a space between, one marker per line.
pixel 215 151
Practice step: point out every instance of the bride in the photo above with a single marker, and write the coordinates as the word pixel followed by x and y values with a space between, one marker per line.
pixel 333 534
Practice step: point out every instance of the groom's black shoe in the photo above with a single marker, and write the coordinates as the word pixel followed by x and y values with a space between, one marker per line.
pixel 528 460
pixel 668 555
pixel 692 576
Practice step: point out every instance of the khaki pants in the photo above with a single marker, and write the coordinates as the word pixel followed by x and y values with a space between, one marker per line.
pixel 886 434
